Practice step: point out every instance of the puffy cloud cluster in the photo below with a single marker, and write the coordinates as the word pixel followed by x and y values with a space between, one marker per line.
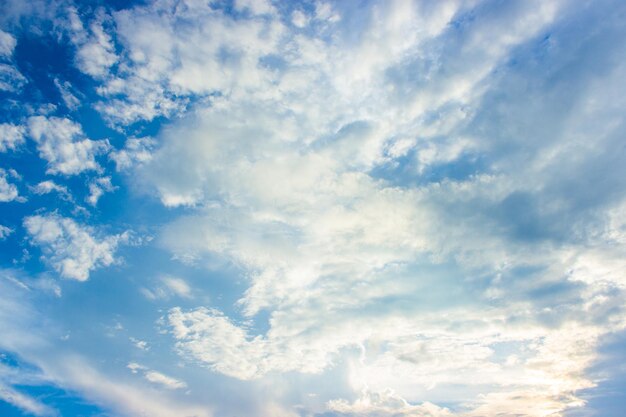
pixel 61 142
pixel 95 52
pixel 71 249
pixel 11 136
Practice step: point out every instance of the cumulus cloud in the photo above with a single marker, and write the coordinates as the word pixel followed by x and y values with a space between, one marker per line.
pixel 383 404
pixel 97 188
pixel 49 186
pixel 71 249
pixel 11 136
pixel 136 151
pixel 62 143
pixel 8 191
pixel 95 52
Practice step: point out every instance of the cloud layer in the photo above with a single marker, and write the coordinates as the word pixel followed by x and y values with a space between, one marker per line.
pixel 379 208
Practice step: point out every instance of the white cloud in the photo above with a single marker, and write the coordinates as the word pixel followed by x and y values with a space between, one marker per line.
pixel 385 404
pixel 157 377
pixel 5 232
pixel 289 184
pixel 299 18
pixel 11 136
pixel 24 402
pixel 167 287
pixel 49 186
pixel 177 286
pixel 125 399
pixel 61 142
pixel 256 7
pixel 139 344
pixel 95 52
pixel 136 151
pixel 7 44
pixel 71 249
pixel 8 191
pixel 164 380
pixel 97 188
pixel 65 89
pixel 10 78
pixel 162 70
pixel 430 218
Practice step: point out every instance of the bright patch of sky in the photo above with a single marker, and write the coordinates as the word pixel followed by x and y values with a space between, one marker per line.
pixel 312 208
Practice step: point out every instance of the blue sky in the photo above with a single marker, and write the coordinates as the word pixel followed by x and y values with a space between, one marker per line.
pixel 312 209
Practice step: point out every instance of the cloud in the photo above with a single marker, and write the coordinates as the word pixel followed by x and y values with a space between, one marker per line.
pixel 168 286
pixel 256 7
pixel 49 186
pixel 383 404
pixel 71 249
pixel 157 377
pixel 5 232
pixel 24 402
pixel 7 44
pixel 95 52
pixel 8 191
pixel 136 151
pixel 97 188
pixel 439 220
pixel 61 142
pixel 378 211
pixel 140 344
pixel 11 79
pixel 11 136
pixel 45 362
pixel 177 286
pixel 65 88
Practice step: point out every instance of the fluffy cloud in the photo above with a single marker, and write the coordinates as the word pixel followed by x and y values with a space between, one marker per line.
pixel 7 44
pixel 97 188
pixel 8 191
pixel 71 249
pixel 136 151
pixel 383 404
pixel 95 52
pixel 49 186
pixel 11 136
pixel 61 142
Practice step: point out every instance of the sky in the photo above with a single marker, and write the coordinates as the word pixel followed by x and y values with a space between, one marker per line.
pixel 257 208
